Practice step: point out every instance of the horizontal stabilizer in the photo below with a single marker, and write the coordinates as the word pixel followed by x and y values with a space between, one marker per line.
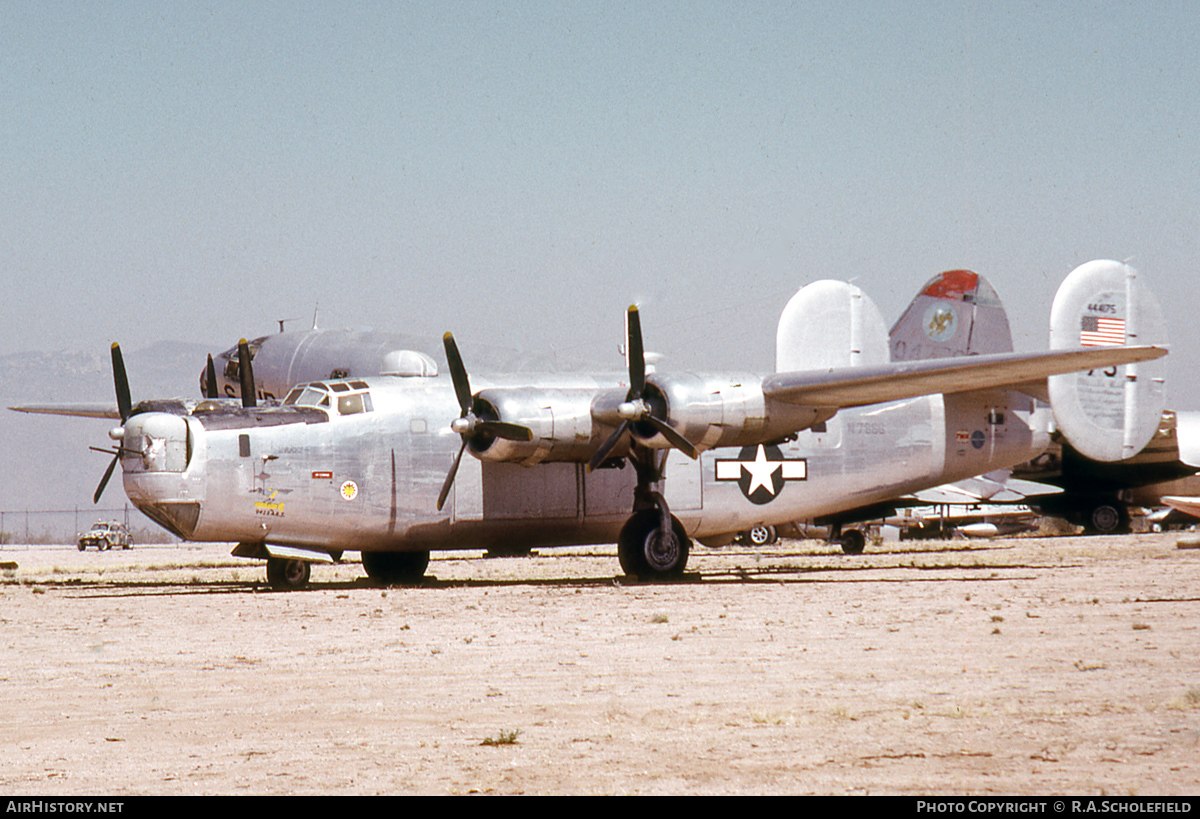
pixel 77 410
pixel 859 386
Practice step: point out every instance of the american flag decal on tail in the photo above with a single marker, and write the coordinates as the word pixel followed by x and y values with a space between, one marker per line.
pixel 1101 332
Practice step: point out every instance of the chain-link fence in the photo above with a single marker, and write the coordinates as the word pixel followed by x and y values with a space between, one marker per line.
pixel 38 526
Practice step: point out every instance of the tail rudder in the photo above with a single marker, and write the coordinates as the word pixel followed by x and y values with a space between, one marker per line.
pixel 956 313
pixel 829 324
pixel 1113 413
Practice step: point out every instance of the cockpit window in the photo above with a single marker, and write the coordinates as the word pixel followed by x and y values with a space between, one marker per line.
pixel 317 395
pixel 307 396
pixel 354 404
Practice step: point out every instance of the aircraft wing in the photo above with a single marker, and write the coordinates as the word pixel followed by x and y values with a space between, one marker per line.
pixel 78 410
pixel 859 386
pixel 1187 505
pixel 981 489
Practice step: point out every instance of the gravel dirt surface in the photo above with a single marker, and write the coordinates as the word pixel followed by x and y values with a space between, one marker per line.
pixel 1022 666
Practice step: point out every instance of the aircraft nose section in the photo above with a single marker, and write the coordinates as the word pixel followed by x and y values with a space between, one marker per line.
pixel 159 473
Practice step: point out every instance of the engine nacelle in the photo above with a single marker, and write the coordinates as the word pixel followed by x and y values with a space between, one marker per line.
pixel 561 420
pixel 722 410
pixel 570 424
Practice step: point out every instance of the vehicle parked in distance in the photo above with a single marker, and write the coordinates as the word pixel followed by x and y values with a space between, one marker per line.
pixel 105 535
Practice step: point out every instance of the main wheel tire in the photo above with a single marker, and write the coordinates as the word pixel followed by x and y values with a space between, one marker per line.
pixel 396 568
pixel 761 535
pixel 82 547
pixel 287 575
pixel 1106 519
pixel 853 541
pixel 646 554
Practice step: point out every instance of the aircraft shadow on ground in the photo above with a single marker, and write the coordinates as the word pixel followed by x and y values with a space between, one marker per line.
pixel 777 575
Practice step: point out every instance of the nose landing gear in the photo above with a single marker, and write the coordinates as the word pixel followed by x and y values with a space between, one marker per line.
pixel 653 544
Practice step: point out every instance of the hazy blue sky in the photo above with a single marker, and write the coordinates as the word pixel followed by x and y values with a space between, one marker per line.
pixel 522 171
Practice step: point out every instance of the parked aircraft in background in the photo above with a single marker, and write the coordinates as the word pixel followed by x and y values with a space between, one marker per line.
pixel 1097 495
pixel 992 505
pixel 284 359
pixel 958 313
pixel 982 520
pixel 374 463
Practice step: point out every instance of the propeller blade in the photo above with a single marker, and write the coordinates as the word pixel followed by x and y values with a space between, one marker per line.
pixel 446 484
pixel 636 356
pixel 635 353
pixel 246 374
pixel 601 454
pixel 677 440
pixel 104 481
pixel 210 380
pixel 124 404
pixel 462 385
pixel 505 430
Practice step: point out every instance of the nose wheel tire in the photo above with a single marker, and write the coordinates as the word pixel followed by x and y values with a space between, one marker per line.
pixel 647 552
pixel 287 575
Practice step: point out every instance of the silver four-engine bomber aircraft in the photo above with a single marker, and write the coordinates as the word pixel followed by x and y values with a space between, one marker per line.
pixel 651 460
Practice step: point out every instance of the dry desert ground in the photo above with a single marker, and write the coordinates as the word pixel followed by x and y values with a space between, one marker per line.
pixel 1018 666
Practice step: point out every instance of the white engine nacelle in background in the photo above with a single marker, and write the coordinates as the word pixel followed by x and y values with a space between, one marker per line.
pixel 1107 414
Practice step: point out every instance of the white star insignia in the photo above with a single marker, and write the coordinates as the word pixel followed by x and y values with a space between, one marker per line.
pixel 761 470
